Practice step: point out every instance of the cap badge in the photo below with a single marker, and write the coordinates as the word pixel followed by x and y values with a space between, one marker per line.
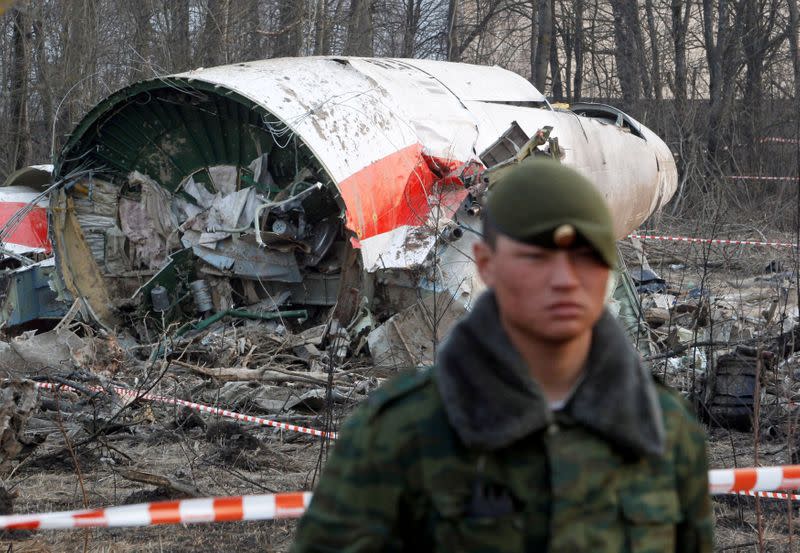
pixel 564 236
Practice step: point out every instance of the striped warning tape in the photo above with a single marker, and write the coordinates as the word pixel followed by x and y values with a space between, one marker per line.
pixel 762 177
pixel 211 509
pixel 756 482
pixel 133 394
pixel 779 140
pixel 712 241
pixel 772 495
pixel 759 479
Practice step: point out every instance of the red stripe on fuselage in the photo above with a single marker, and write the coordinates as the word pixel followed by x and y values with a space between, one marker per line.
pixel 392 192
pixel 31 231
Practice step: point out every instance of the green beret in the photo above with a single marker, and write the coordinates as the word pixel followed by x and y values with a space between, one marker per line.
pixel 541 202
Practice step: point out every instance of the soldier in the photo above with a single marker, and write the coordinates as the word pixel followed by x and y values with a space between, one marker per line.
pixel 538 429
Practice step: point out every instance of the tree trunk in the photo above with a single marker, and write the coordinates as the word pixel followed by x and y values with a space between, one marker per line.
pixel 794 49
pixel 289 39
pixel 43 73
pixel 577 83
pixel 412 14
pixel 453 23
pixel 78 65
pixel 252 43
pixel 211 40
pixel 180 49
pixel 759 22
pixel 534 39
pixel 566 33
pixel 20 131
pixel 655 62
pixel 322 26
pixel 625 51
pixel 722 54
pixel 359 29
pixel 555 65
pixel 141 12
pixel 680 25
pixel 543 41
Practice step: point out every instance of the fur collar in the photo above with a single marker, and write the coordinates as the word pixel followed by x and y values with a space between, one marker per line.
pixel 491 400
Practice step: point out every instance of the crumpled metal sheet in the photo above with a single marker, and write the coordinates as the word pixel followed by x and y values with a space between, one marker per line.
pixel 405 247
pixel 410 338
pixel 246 259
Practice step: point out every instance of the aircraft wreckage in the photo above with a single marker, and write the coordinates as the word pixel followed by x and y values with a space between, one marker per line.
pixel 314 183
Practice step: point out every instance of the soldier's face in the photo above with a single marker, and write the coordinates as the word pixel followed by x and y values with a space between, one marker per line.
pixel 545 294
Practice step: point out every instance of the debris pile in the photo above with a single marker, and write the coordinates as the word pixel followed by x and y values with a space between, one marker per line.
pixel 727 341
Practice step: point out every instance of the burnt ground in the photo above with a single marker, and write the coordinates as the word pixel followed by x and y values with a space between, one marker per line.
pixel 83 449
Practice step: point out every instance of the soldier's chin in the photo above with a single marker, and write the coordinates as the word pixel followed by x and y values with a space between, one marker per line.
pixel 563 331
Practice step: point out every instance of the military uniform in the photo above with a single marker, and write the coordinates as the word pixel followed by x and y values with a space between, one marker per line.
pixel 471 457
pixel 445 460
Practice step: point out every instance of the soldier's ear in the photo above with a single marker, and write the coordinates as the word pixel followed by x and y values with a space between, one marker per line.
pixel 484 260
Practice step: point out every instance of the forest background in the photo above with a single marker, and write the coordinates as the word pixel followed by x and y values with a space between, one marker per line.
pixel 719 80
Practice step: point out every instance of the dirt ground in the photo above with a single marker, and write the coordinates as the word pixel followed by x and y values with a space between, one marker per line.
pixel 79 455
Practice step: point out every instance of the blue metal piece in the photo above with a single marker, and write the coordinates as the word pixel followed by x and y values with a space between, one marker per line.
pixel 28 297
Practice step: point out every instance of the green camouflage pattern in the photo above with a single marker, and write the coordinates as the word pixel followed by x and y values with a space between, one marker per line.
pixel 399 479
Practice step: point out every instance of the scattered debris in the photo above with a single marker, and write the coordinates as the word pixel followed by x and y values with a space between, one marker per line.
pixel 731 390
pixel 178 489
pixel 263 249
pixel 17 404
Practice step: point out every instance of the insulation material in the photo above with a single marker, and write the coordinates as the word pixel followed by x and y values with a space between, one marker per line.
pixel 149 223
pixel 225 178
pixel 97 197
pixel 96 203
pixel 202 195
pixel 260 169
pixel 233 211
pixel 95 228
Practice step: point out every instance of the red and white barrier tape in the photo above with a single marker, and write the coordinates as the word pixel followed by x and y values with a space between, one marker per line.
pixel 211 509
pixel 712 241
pixel 756 482
pixel 779 140
pixel 762 177
pixel 759 479
pixel 133 394
pixel 772 495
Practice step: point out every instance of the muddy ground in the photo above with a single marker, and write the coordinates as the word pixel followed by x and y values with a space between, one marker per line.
pixel 87 449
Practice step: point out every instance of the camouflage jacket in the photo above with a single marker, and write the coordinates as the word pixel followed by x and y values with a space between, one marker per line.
pixel 608 473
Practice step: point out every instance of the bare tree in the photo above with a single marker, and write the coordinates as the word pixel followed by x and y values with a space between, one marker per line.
pixel 544 14
pixel 681 14
pixel 213 49
pixel 413 12
pixel 759 41
pixel 723 57
pixel 141 13
pixel 78 65
pixel 322 28
pixel 289 38
pixel 794 50
pixel 249 22
pixel 360 29
pixel 452 51
pixel 20 68
pixel 655 64
pixel 629 51
pixel 577 83
pixel 555 64
pixel 179 52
